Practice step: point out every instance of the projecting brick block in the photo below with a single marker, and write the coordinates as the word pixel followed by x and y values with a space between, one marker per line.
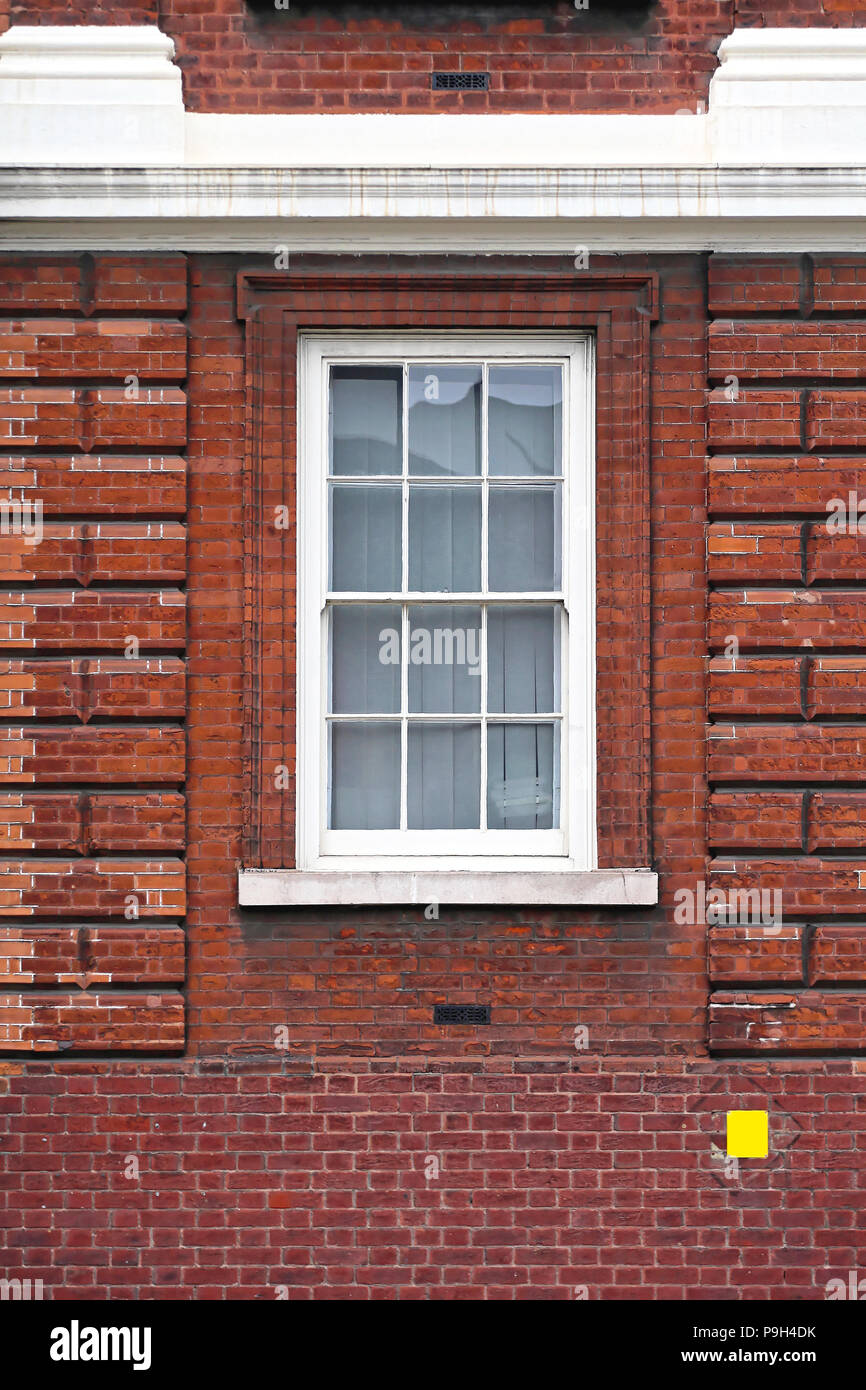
pixel 839 284
pixel 754 685
pixel 780 485
pixel 755 419
pixel 807 1021
pixel 98 887
pixel 837 955
pixel 756 820
pixel 786 753
pixel 90 822
pixel 97 552
pixel 806 885
pixel 91 418
pixel 66 349
pixel 92 687
pixel 131 753
pixel 753 955
pixel 836 686
pixel 837 820
pixel 836 419
pixel 753 284
pixel 93 283
pixel 835 557
pixel 104 1021
pixel 754 351
pixel 87 484
pixel 90 955
pixel 787 618
pixel 56 619
pixel 738 551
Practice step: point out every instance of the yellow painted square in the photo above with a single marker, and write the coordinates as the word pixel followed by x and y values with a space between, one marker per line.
pixel 748 1134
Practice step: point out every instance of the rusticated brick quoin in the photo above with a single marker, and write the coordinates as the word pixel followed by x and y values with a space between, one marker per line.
pixel 96 485
pixel 99 687
pixel 91 1020
pixel 91 822
pixel 63 619
pixel 97 552
pixel 91 955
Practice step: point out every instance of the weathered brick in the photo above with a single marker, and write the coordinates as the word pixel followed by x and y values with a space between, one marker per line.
pixel 756 820
pixel 751 285
pixel 97 552
pixel 121 888
pixel 91 485
pixel 786 752
pixel 752 955
pixel 136 753
pixel 91 954
pixel 65 349
pixel 88 822
pixel 806 1021
pixel 787 618
pixel 92 688
pixel 782 485
pixel 102 1021
pixel 88 418
pixel 807 885
pixel 112 620
pixel 775 350
pixel 756 419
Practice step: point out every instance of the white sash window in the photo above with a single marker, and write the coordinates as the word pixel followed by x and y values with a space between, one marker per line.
pixel 446 602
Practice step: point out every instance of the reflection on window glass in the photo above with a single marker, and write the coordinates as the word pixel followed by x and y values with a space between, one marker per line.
pixel 445 420
pixel 525 421
pixel 366 419
pixel 365 776
pixel 366 538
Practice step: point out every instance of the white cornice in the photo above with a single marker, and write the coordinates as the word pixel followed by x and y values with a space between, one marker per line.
pixel 540 210
pixel 99 151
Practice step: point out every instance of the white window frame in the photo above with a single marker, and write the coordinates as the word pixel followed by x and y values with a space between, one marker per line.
pixel 573 847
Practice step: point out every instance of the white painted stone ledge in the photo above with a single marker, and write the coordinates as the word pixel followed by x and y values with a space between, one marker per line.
pixel 545 888
pixel 111 96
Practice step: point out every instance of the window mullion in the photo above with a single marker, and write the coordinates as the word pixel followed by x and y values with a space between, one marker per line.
pixel 404 614
pixel 485 474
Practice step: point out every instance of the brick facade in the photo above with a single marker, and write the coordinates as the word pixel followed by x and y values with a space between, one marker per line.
pixel 146 667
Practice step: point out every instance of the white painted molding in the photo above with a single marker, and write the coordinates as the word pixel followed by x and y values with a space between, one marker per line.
pixel 98 151
pixel 90 94
pixel 789 96
pixel 592 888
pixel 542 212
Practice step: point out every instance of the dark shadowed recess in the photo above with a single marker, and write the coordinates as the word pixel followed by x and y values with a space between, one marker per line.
pixel 558 15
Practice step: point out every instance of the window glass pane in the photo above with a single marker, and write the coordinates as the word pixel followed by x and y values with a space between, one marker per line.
pixel 523 660
pixel 444 777
pixel 365 659
pixel 445 538
pixel 525 420
pixel 444 659
pixel 366 419
pixel 366 538
pixel 524 539
pixel 445 420
pixel 523 776
pixel 365 776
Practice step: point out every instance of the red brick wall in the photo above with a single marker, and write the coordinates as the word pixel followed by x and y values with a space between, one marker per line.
pixel 525 1115
pixel 787 747
pixel 542 55
pixel 437 1181
pixel 98 735
pixel 93 631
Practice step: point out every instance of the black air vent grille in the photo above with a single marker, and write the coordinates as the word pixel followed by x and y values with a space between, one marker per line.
pixel 461 81
pixel 461 1013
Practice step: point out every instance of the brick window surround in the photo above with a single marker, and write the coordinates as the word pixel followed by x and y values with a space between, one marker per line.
pixel 619 309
